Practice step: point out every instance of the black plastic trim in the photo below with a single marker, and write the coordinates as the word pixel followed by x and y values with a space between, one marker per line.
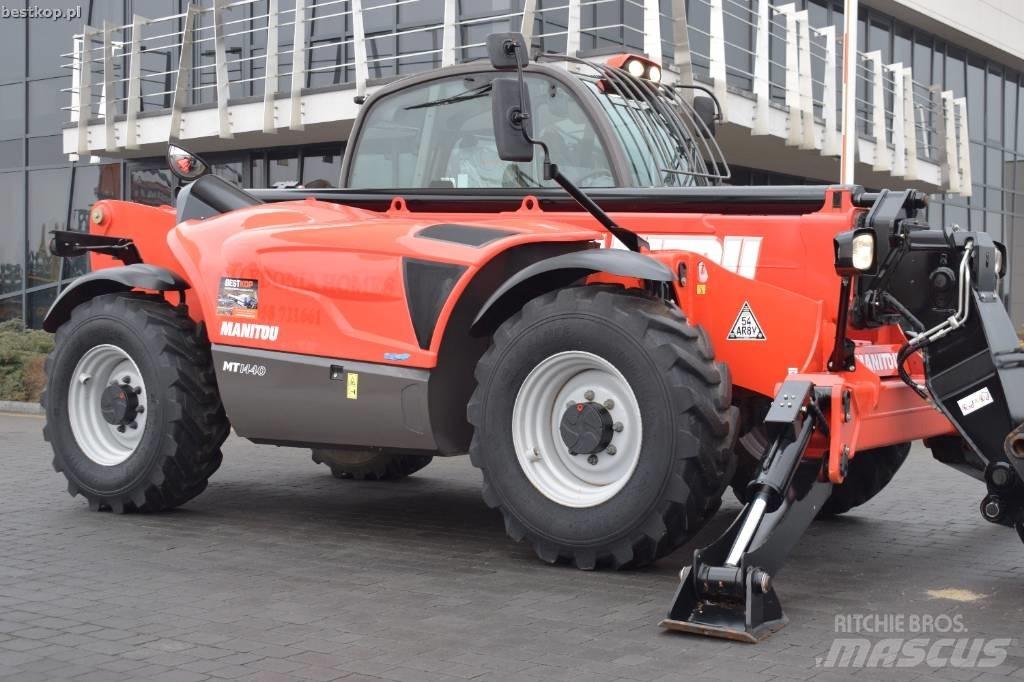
pixel 767 200
pixel 427 287
pixel 467 235
pixel 108 281
pixel 561 271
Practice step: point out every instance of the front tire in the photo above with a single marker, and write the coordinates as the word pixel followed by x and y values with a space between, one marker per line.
pixel 634 388
pixel 131 402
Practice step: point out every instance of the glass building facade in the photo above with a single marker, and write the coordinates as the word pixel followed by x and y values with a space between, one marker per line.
pixel 41 191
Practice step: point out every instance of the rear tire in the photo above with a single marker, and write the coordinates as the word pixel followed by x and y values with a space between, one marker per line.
pixel 165 459
pixel 369 464
pixel 610 342
pixel 869 472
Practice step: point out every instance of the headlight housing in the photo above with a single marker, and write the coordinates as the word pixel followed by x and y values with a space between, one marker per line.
pixel 855 251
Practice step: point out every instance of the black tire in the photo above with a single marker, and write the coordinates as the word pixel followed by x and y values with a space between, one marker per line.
pixel 185 422
pixel 369 464
pixel 685 457
pixel 869 472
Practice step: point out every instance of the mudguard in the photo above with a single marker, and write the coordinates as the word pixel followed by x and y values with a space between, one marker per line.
pixel 107 281
pixel 561 271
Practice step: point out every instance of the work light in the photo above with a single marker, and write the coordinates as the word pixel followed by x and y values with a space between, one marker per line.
pixel 635 68
pixel 855 251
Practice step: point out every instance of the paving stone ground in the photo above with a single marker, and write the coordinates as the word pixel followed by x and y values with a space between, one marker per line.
pixel 280 572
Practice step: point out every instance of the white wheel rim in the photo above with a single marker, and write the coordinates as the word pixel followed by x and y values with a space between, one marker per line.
pixel 102 442
pixel 572 480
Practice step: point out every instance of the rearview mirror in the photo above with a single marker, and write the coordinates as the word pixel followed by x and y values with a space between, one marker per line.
pixel 707 113
pixel 184 164
pixel 510 114
pixel 501 50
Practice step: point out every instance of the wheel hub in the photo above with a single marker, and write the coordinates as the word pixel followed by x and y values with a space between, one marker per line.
pixel 586 428
pixel 119 404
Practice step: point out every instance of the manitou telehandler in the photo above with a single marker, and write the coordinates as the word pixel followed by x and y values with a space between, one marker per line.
pixel 611 338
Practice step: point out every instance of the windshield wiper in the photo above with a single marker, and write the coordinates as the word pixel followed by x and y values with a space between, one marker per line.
pixel 475 93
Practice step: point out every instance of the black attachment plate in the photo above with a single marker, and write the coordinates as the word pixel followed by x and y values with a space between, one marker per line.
pixel 68 244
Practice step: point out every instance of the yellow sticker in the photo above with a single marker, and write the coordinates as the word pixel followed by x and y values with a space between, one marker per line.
pixel 702 289
pixel 352 387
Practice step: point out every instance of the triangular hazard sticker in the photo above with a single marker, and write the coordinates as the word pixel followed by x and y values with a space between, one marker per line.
pixel 746 327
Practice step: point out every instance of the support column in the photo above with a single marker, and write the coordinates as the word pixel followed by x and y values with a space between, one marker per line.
pixel 830 138
pixel 899 118
pixel 184 77
pixel 652 30
pixel 716 56
pixel 762 82
pixel 448 34
pixel 131 132
pixel 270 70
pixel 359 43
pixel 298 66
pixel 883 162
pixel 223 88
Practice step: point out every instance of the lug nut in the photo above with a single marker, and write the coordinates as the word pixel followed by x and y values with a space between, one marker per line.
pixel 120 428
pixel 133 425
pixel 589 395
pixel 536 453
pixel 140 409
pixel 126 379
pixel 609 404
pixel 592 460
pixel 617 427
pixel 138 390
pixel 611 450
pixel 571 404
pixel 84 378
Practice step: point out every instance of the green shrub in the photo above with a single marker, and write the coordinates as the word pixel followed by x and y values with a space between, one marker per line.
pixel 22 354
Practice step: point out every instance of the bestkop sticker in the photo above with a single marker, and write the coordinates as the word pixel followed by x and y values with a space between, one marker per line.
pixel 702 272
pixel 238 297
pixel 746 327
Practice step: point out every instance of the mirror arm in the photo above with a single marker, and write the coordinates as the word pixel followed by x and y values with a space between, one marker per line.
pixel 630 239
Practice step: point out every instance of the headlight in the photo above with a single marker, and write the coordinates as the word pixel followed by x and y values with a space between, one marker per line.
pixel 863 256
pixel 654 74
pixel 855 251
pixel 636 68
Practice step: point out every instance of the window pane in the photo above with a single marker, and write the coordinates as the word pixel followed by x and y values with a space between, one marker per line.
pixel 151 186
pixel 10 308
pixel 994 108
pixel 47 210
pixel 258 172
pixel 284 169
pixel 321 167
pixel 229 170
pixel 48 39
pixel 12 118
pixel 45 100
pixel 39 303
pixel 440 135
pixel 11 155
pixel 46 151
pixel 12 235
pixel 12 44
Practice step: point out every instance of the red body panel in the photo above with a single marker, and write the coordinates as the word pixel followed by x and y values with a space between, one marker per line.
pixel 331 281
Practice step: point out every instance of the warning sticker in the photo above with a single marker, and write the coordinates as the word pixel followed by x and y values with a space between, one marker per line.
pixel 352 386
pixel 238 297
pixel 746 327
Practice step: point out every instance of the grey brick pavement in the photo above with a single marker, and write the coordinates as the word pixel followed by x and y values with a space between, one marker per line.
pixel 280 572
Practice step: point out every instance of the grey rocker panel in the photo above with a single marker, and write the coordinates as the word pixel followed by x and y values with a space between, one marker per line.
pixel 289 398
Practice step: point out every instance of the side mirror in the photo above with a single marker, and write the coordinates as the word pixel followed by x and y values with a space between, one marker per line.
pixel 707 113
pixel 510 109
pixel 184 164
pixel 501 50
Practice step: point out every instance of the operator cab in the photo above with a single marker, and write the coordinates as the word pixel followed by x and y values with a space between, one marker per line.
pixel 608 125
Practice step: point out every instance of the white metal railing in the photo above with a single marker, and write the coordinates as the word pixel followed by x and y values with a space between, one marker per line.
pixel 222 52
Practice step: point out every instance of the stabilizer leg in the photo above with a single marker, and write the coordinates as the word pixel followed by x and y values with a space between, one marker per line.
pixel 728 591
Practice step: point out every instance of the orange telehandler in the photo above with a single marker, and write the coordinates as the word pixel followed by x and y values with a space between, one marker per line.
pixel 613 339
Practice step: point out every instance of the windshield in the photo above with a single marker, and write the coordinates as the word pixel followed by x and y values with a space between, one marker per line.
pixel 440 135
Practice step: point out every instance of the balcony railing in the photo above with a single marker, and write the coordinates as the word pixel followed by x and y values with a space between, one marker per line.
pixel 219 54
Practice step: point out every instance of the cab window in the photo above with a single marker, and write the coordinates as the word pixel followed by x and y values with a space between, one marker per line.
pixel 439 135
